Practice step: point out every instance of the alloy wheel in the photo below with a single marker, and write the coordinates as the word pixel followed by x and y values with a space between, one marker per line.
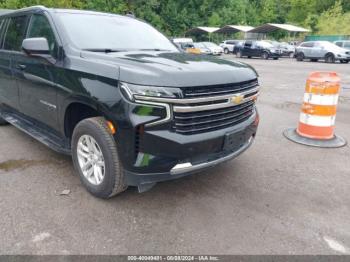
pixel 91 160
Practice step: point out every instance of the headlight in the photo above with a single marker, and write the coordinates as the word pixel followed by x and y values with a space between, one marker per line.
pixel 132 90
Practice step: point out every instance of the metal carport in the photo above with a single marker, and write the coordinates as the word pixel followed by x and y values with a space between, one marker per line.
pixel 268 28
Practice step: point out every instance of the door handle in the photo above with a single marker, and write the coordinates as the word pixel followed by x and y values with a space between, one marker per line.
pixel 21 67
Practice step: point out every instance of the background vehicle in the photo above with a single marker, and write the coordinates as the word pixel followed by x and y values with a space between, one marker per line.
pixel 261 49
pixel 127 105
pixel 322 50
pixel 285 48
pixel 229 45
pixel 214 48
pixel 202 48
pixel 186 45
pixel 344 44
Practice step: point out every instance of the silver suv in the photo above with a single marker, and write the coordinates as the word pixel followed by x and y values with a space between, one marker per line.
pixel 317 50
pixel 229 45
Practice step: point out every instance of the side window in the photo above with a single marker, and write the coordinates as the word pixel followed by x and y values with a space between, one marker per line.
pixel 2 28
pixel 15 33
pixel 40 27
pixel 339 44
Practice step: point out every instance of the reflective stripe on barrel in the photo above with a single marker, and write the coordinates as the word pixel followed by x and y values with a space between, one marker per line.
pixel 318 113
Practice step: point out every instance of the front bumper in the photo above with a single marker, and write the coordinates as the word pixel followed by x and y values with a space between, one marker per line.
pixel 171 156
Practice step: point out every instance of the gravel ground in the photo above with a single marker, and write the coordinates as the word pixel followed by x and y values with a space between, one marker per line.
pixel 277 198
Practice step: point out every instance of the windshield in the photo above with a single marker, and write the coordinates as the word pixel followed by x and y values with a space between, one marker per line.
pixel 209 44
pixel 265 44
pixel 199 45
pixel 111 32
pixel 329 45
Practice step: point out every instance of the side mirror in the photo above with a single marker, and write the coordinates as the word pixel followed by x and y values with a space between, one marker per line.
pixel 36 46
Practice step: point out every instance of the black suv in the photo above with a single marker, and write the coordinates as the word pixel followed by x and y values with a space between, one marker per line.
pixel 261 49
pixel 117 95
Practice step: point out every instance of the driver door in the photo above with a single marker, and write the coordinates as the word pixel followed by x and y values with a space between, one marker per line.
pixel 36 76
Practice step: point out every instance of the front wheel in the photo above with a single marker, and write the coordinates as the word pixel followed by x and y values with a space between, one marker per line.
pixel 344 61
pixel 226 51
pixel 3 121
pixel 96 159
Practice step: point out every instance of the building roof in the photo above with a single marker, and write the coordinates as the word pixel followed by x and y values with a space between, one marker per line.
pixel 267 28
pixel 202 30
pixel 234 29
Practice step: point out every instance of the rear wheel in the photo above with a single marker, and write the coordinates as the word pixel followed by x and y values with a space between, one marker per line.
pixel 265 55
pixel 95 157
pixel 226 51
pixel 330 58
pixel 300 57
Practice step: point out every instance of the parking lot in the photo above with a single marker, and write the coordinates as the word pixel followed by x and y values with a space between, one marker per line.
pixel 277 198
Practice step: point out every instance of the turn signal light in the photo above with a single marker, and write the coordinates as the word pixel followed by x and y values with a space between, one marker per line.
pixel 111 127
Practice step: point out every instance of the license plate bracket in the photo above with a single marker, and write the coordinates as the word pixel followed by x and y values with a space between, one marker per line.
pixel 233 141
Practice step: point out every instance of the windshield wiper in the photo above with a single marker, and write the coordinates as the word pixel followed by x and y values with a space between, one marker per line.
pixel 105 50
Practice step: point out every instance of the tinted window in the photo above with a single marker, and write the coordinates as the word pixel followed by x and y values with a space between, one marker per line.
pixel 347 44
pixel 40 27
pixel 15 33
pixel 339 44
pixel 2 28
pixel 102 31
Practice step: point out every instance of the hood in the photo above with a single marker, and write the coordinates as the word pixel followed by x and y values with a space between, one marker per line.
pixel 174 69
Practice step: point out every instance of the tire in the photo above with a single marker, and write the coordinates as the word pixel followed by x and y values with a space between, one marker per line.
pixel 249 57
pixel 344 61
pixel 292 55
pixel 330 58
pixel 275 58
pixel 112 182
pixel 300 57
pixel 239 54
pixel 265 55
pixel 314 60
pixel 3 122
pixel 226 51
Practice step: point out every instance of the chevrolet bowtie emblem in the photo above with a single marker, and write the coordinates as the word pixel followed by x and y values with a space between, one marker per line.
pixel 237 99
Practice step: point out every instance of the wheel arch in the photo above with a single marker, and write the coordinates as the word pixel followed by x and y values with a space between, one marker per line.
pixel 78 109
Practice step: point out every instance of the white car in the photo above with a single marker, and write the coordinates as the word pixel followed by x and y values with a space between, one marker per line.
pixel 203 48
pixel 214 48
pixel 229 45
pixel 316 50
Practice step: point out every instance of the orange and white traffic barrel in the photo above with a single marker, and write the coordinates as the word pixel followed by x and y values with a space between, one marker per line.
pixel 318 112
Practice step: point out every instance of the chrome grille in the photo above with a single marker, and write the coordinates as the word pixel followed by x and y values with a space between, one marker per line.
pixel 204 91
pixel 205 121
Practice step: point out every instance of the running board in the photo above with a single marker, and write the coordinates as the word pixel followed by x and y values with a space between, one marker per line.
pixel 50 140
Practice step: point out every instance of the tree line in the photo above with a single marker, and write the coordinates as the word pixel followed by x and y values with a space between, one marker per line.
pixel 175 17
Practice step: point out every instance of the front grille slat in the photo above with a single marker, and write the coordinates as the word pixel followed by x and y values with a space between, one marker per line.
pixel 200 120
pixel 194 92
pixel 213 121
